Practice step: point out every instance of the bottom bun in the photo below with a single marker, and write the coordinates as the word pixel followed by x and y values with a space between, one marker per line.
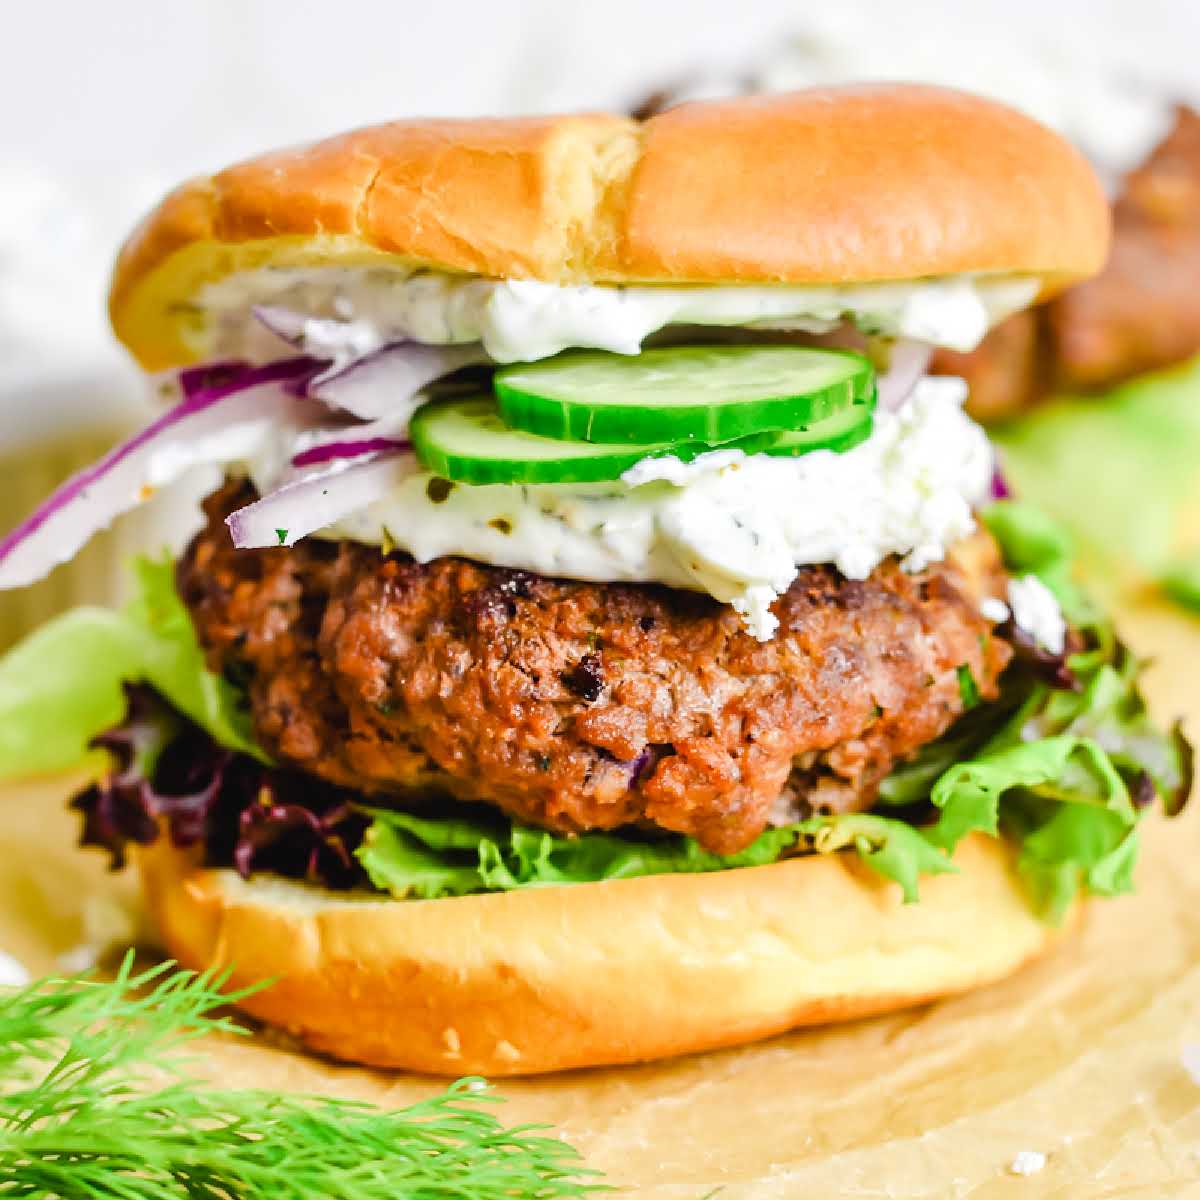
pixel 594 974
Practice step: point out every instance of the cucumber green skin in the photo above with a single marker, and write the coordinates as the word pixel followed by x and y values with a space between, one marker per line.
pixel 707 423
pixel 607 464
pixel 849 429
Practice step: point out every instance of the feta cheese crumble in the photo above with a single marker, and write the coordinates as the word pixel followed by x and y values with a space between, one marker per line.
pixel 1027 1162
pixel 994 610
pixel 1036 611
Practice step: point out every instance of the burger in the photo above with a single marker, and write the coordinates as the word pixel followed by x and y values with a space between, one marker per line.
pixel 605 642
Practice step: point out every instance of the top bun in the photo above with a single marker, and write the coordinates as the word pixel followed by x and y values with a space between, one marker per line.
pixel 833 185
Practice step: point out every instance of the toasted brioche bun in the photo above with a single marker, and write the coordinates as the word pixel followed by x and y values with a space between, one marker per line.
pixel 593 974
pixel 838 185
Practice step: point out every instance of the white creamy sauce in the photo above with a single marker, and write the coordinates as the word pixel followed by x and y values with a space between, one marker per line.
pixel 734 526
pixel 356 310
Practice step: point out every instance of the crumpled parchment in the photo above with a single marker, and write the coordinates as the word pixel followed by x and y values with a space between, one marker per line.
pixel 1081 1058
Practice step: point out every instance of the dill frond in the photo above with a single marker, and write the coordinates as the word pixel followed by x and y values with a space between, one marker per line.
pixel 95 1103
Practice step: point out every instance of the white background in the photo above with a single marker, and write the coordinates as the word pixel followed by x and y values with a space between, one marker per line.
pixel 179 85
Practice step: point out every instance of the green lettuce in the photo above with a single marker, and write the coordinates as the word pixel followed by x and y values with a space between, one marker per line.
pixel 64 684
pixel 1055 769
pixel 424 858
pixel 1070 848
pixel 1181 581
pixel 1061 800
pixel 1060 766
pixel 1118 470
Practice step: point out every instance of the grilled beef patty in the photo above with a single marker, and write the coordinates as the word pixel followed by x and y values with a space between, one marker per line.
pixel 577 706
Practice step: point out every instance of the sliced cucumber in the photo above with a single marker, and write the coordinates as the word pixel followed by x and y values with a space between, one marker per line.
pixel 842 431
pixel 708 394
pixel 466 440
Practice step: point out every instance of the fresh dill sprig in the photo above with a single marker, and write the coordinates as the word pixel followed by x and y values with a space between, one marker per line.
pixel 94 1104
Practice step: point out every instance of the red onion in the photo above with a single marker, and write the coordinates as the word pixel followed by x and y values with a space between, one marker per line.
pixel 1000 486
pixel 370 384
pixel 318 500
pixel 130 473
pixel 347 448
pixel 214 380
pixel 382 383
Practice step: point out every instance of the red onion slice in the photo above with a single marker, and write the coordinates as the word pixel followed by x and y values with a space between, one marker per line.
pixel 909 362
pixel 1001 490
pixel 364 380
pixel 218 379
pixel 318 500
pixel 352 440
pixel 384 382
pixel 347 448
pixel 207 377
pixel 129 474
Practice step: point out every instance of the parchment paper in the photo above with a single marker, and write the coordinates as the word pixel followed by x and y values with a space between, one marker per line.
pixel 1079 1058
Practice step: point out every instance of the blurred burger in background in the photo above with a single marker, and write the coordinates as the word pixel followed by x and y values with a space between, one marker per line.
pixel 1143 312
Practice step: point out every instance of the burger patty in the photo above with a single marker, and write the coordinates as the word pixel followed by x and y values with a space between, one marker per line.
pixel 577 706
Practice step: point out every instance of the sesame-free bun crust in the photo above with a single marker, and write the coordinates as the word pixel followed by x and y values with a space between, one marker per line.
pixel 593 974
pixel 836 185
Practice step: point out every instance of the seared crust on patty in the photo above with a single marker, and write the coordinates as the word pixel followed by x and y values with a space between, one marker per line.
pixel 580 706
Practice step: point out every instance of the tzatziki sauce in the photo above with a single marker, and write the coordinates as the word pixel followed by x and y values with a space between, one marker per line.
pixel 735 526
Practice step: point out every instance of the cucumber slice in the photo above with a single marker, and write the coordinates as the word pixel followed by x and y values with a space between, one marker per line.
pixel 842 431
pixel 708 394
pixel 466 439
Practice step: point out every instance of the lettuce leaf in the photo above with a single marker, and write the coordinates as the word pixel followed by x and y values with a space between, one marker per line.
pixel 1066 769
pixel 1062 774
pixel 1061 800
pixel 63 685
pixel 1060 764
pixel 1069 848
pixel 426 858
pixel 1061 771
pixel 1118 470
